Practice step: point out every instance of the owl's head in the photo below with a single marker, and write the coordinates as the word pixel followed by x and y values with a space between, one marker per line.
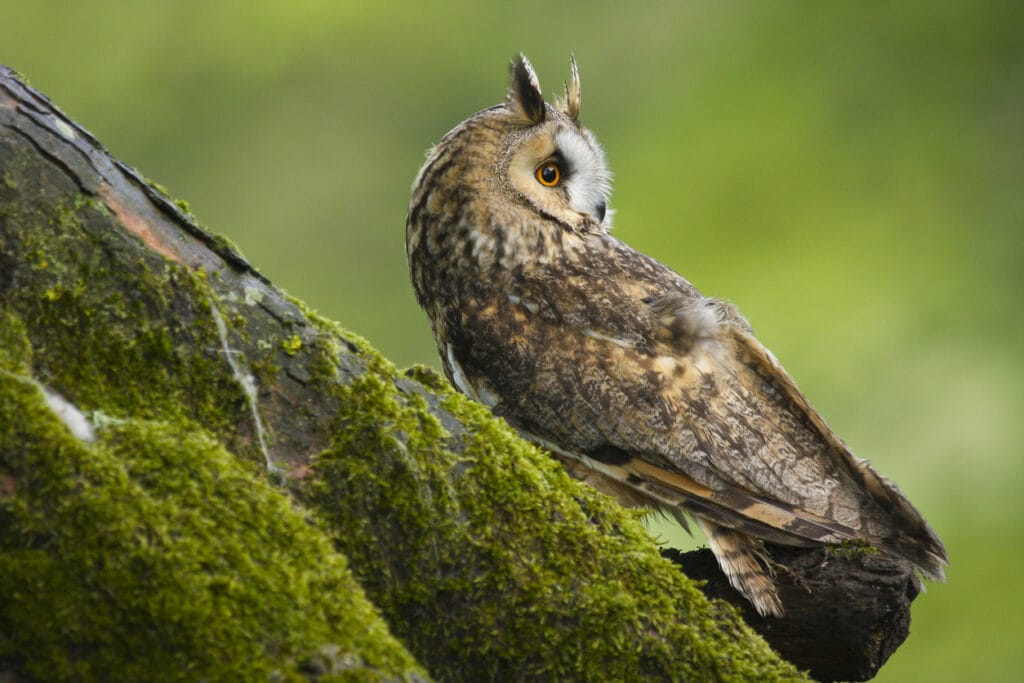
pixel 509 182
pixel 551 160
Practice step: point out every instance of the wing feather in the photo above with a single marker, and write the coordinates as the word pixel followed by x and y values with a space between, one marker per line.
pixel 709 421
pixel 767 439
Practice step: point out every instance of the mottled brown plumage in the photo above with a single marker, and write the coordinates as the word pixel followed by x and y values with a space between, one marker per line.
pixel 638 383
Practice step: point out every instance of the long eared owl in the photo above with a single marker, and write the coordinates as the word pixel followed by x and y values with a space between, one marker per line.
pixel 639 384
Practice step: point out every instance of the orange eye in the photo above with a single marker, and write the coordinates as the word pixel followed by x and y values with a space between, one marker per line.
pixel 549 174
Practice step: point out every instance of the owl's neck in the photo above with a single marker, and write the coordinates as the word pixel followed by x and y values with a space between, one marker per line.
pixel 527 244
pixel 484 246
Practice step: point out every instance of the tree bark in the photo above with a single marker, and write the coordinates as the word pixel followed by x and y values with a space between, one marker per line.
pixel 846 611
pixel 124 322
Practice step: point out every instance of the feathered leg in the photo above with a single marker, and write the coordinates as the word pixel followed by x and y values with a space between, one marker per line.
pixel 743 561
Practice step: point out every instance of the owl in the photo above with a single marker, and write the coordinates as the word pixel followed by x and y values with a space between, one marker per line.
pixel 638 383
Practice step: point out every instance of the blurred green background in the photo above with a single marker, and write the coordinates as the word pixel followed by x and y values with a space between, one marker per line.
pixel 850 174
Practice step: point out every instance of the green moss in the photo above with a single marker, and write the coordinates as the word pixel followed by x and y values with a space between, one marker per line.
pixel 852 548
pixel 153 554
pixel 7 182
pixel 490 563
pixel 15 350
pixel 20 76
pixel 292 345
pixel 159 188
pixel 356 344
pixel 265 371
pixel 222 245
pixel 428 377
pixel 181 204
pixel 154 354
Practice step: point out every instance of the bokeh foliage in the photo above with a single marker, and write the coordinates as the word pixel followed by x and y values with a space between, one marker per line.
pixel 850 174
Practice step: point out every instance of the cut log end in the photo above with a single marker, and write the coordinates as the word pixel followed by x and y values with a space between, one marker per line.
pixel 846 612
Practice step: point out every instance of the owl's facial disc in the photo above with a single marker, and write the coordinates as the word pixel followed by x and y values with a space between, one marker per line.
pixel 560 169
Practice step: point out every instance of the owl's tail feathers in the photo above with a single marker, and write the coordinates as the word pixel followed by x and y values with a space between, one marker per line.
pixel 746 565
pixel 923 549
pixel 908 534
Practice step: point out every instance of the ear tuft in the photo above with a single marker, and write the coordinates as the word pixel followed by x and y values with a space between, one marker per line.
pixel 524 95
pixel 570 106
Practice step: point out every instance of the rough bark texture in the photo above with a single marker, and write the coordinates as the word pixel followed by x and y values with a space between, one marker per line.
pixel 232 488
pixel 846 611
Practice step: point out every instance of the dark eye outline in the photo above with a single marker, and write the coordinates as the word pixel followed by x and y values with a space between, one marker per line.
pixel 549 174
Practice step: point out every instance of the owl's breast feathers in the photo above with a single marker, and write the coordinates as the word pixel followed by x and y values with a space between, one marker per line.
pixel 660 396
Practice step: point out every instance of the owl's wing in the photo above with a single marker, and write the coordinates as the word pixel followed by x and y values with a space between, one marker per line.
pixel 757 432
pixel 700 416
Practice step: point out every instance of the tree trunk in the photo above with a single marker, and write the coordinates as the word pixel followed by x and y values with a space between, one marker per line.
pixel 201 479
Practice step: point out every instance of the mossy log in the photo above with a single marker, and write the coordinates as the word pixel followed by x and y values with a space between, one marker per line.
pixel 201 479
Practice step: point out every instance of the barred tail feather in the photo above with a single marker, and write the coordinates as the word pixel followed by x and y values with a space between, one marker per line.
pixel 743 561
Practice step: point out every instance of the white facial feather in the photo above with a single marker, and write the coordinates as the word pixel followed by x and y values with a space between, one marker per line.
pixel 589 182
